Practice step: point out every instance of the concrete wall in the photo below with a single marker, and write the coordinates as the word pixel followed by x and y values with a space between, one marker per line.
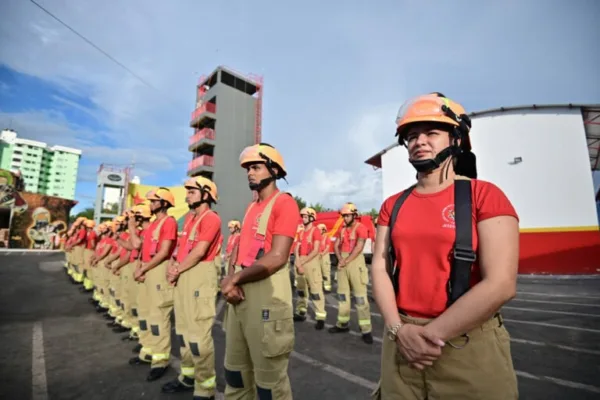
pixel 234 130
pixel 552 187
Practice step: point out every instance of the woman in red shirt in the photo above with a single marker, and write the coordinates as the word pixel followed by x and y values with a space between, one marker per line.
pixel 440 292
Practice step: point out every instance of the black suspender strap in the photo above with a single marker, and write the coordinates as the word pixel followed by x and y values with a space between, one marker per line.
pixel 464 256
pixel 393 270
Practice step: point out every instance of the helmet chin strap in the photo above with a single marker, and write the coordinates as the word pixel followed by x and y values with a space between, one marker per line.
pixel 425 166
pixel 262 184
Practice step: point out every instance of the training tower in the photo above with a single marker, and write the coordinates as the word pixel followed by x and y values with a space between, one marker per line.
pixel 227 118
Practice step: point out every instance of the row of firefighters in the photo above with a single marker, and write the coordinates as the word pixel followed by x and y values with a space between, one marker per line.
pixel 140 269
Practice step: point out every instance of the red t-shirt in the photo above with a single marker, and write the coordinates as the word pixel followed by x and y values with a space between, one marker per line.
pixel 208 230
pixel 115 245
pixel 134 253
pixel 347 245
pixel 91 240
pixel 283 221
pixel 124 252
pixel 423 238
pixel 305 247
pixel 81 234
pixel 232 240
pixel 168 232
pixel 100 246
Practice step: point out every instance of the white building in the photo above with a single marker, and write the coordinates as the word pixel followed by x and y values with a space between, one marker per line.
pixel 542 157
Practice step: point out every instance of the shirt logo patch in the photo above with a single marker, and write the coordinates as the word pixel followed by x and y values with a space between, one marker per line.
pixel 448 216
pixel 265 315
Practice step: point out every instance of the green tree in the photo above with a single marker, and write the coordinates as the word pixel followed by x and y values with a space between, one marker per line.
pixel 301 203
pixel 373 213
pixel 86 213
pixel 318 207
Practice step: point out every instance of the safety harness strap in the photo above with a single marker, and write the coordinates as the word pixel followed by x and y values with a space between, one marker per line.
pixel 393 270
pixel 463 254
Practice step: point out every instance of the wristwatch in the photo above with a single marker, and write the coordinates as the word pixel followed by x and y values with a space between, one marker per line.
pixel 393 331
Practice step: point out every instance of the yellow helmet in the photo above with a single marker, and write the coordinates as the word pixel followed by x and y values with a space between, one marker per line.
pixel 162 194
pixel 322 227
pixel 310 212
pixel 234 224
pixel 90 224
pixel 142 210
pixel 204 185
pixel 263 153
pixel 349 208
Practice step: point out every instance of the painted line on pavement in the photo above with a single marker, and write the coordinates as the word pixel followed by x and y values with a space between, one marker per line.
pixel 579 295
pixel 550 311
pixel 39 382
pixel 330 368
pixel 557 381
pixel 555 302
pixel 556 346
pixel 560 382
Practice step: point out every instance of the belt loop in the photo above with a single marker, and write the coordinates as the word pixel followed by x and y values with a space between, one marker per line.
pixel 500 319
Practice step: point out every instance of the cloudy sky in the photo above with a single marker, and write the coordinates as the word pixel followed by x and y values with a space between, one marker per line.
pixel 335 74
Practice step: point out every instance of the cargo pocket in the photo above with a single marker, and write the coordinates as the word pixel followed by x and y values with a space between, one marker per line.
pixel 203 307
pixel 364 275
pixel 278 331
pixel 165 295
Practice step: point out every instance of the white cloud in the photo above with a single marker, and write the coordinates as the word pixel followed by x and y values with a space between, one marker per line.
pixel 333 188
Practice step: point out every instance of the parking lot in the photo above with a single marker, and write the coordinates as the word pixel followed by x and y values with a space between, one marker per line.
pixel 53 345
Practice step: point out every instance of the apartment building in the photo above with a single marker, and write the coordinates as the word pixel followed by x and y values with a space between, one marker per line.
pixel 49 170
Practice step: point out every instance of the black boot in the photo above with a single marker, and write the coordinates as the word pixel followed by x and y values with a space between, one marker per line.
pixel 299 317
pixel 137 361
pixel 367 338
pixel 137 349
pixel 337 329
pixel 156 373
pixel 320 325
pixel 175 386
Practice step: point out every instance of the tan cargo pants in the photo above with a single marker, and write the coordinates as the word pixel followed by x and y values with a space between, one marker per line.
pixel 142 311
pixel 78 263
pixel 128 289
pixel 87 269
pixel 103 282
pixel 482 369
pixel 260 337
pixel 311 282
pixel 194 301
pixel 160 303
pixel 354 278
pixel 326 271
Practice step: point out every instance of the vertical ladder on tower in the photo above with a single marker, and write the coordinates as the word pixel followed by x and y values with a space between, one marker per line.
pixel 258 117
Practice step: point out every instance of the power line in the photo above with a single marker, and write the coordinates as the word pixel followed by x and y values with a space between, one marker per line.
pixel 95 46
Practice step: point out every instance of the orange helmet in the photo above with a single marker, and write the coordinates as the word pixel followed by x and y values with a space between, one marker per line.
pixel 162 194
pixel 433 107
pixel 142 210
pixel 322 227
pixel 349 208
pixel 90 224
pixel 108 225
pixel 204 184
pixel 263 153
pixel 310 212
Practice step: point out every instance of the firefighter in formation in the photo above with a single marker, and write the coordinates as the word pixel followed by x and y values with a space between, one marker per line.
pixel 140 271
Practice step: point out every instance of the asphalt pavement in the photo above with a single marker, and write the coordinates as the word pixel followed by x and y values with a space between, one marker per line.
pixel 54 346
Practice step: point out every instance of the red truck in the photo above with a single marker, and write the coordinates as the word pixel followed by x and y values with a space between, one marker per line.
pixel 333 221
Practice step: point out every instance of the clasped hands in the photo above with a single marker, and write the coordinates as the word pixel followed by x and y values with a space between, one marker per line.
pixel 173 272
pixel 229 289
pixel 418 345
